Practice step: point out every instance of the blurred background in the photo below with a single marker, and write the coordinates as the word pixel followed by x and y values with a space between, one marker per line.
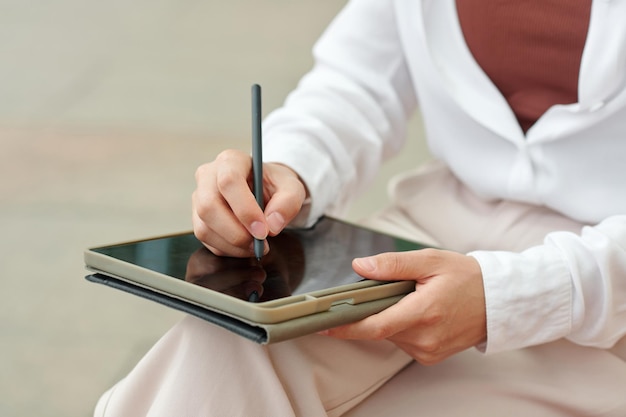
pixel 106 109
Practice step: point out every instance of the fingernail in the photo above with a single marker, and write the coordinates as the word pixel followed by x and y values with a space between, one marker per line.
pixel 276 222
pixel 258 230
pixel 366 264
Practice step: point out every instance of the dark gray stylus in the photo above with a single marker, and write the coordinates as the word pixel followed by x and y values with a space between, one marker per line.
pixel 257 159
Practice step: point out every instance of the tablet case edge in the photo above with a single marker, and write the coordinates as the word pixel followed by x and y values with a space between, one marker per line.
pixel 257 332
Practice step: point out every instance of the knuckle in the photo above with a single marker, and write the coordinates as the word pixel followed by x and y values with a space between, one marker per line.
pixel 202 234
pixel 205 209
pixel 432 317
pixel 201 171
pixel 390 262
pixel 225 179
pixel 380 332
pixel 429 346
pixel 240 240
pixel 228 155
pixel 424 358
pixel 394 262
pixel 224 155
pixel 216 251
pixel 398 263
pixel 431 255
pixel 429 360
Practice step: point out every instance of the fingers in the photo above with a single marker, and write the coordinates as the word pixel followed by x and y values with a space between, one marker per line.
pixel 226 216
pixel 222 239
pixel 444 315
pixel 232 176
pixel 396 266
pixel 425 347
pixel 430 354
pixel 384 324
pixel 287 193
pixel 417 331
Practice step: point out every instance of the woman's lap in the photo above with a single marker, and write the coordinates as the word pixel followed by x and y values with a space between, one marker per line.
pixel 197 369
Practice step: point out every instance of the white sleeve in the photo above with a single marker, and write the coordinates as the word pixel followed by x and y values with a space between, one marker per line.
pixel 349 112
pixel 572 286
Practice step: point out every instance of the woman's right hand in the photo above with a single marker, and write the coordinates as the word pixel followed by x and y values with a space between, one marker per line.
pixel 226 216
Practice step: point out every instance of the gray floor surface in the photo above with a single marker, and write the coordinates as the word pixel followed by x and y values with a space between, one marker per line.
pixel 106 109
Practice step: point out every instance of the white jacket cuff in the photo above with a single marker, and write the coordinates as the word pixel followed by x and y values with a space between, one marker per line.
pixel 528 297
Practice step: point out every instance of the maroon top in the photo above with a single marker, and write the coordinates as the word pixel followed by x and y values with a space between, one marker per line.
pixel 531 49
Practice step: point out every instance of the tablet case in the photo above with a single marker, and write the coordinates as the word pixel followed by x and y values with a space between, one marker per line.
pixel 137 268
pixel 257 332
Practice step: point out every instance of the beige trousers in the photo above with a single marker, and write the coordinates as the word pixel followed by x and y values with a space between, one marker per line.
pixel 198 369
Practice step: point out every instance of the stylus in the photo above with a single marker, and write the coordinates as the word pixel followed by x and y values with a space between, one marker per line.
pixel 257 159
pixel 253 297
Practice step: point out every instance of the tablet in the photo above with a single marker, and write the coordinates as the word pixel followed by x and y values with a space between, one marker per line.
pixel 306 275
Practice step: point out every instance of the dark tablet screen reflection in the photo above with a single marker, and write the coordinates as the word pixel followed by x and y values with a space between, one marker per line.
pixel 277 275
pixel 299 261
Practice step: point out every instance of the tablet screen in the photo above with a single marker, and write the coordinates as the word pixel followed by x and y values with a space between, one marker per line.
pixel 299 260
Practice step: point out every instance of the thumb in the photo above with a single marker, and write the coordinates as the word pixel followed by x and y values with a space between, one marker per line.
pixel 393 266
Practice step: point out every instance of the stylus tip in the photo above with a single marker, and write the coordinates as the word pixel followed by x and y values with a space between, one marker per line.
pixel 253 297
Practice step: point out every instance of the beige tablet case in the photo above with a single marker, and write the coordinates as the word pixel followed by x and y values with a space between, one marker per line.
pixel 262 333
pixel 265 322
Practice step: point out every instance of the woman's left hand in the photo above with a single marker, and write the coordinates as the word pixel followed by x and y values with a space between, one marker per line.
pixel 443 316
